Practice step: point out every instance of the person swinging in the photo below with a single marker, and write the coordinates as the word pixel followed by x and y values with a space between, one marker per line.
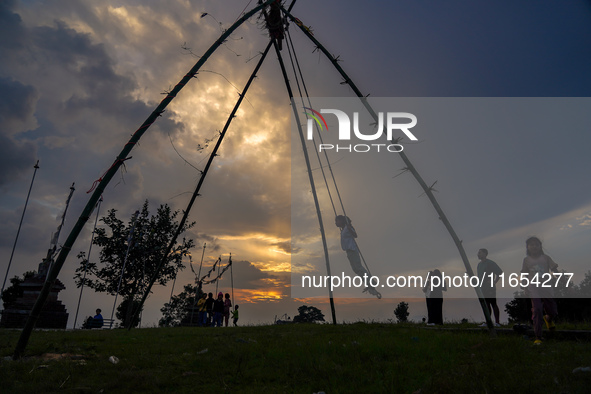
pixel 348 244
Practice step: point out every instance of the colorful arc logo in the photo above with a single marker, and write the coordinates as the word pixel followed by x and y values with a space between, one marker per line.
pixel 317 115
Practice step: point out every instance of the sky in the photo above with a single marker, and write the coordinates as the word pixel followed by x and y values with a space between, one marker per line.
pixel 77 78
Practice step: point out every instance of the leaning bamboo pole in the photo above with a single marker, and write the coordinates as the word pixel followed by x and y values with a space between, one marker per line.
pixel 428 191
pixel 106 178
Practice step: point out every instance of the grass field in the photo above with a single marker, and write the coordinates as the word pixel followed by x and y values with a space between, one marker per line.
pixel 301 358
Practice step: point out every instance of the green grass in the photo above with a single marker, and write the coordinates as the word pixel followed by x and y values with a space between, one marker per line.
pixel 353 358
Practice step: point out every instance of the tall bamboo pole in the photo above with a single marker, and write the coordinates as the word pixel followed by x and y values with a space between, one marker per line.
pixel 104 181
pixel 232 280
pixel 56 236
pixel 310 178
pixel 411 168
pixel 36 167
pixel 201 263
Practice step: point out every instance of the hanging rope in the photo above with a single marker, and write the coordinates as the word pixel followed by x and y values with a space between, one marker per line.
pixel 201 263
pixel 310 176
pixel 36 167
pixel 216 279
pixel 232 281
pixel 98 208
pixel 295 63
pixel 289 50
pixel 129 246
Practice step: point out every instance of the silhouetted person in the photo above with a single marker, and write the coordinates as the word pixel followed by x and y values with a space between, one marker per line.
pixel 485 269
pixel 434 298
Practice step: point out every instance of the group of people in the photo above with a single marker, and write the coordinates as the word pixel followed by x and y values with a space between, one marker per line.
pixel 485 269
pixel 536 262
pixel 214 312
pixel 544 308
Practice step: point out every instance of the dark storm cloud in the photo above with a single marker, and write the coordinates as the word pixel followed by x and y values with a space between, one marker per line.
pixel 252 278
pixel 210 242
pixel 17 104
pixel 11 30
pixel 63 94
pixel 15 158
pixel 35 232
pixel 97 92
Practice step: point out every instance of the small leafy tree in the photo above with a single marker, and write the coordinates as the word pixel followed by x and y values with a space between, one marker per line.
pixel 585 286
pixel 519 308
pixel 121 312
pixel 176 311
pixel 308 314
pixel 137 246
pixel 401 312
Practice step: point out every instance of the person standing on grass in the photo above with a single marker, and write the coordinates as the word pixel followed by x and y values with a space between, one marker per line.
pixel 218 310
pixel 209 308
pixel 488 283
pixel 434 298
pixel 227 307
pixel 235 316
pixel 202 309
pixel 538 265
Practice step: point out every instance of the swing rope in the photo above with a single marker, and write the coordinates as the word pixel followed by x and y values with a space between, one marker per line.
pixel 310 176
pixel 98 208
pixel 290 48
pixel 129 246
pixel 201 263
pixel 295 63
pixel 232 280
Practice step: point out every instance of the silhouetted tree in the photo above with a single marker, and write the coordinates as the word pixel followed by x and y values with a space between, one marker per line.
pixel 138 246
pixel 178 310
pixel 401 312
pixel 519 308
pixel 308 314
pixel 124 317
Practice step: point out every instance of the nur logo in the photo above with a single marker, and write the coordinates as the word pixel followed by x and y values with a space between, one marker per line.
pixel 391 121
pixel 315 115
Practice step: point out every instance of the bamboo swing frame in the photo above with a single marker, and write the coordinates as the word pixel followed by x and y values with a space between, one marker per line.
pixel 106 178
